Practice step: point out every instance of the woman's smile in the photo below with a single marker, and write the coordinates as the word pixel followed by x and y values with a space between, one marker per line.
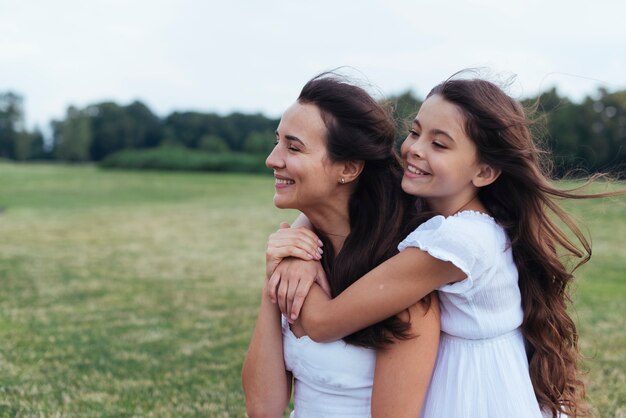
pixel 282 182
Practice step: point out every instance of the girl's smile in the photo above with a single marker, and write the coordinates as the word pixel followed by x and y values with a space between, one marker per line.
pixel 440 160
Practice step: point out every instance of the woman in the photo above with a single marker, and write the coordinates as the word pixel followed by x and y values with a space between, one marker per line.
pixel 334 161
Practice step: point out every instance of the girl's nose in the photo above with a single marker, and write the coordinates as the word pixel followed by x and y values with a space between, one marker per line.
pixel 416 148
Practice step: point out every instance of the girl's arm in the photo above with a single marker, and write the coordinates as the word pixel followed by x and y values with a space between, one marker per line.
pixel 302 222
pixel 387 290
pixel 266 383
pixel 404 368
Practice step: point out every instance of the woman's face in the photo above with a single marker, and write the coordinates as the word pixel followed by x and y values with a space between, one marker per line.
pixel 305 176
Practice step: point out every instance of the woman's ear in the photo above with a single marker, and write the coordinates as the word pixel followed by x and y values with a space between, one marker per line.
pixel 486 175
pixel 351 170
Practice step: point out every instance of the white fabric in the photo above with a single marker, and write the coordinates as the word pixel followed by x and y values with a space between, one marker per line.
pixel 482 368
pixel 332 380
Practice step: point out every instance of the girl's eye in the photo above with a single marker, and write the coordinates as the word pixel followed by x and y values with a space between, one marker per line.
pixel 439 145
pixel 413 132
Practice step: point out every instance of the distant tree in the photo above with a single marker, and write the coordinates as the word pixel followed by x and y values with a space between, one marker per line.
pixel 117 127
pixel 555 128
pixel 169 138
pixel 189 127
pixel 30 146
pixel 146 128
pixel 238 126
pixel 213 144
pixel 259 142
pixel 590 135
pixel 73 136
pixel 609 130
pixel 11 122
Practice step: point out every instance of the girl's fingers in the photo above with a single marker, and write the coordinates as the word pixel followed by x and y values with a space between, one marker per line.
pixel 271 285
pixel 291 292
pixel 281 296
pixel 298 299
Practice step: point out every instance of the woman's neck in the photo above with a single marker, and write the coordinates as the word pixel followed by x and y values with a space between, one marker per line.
pixel 334 222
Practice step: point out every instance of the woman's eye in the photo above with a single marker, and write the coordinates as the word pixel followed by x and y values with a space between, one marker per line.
pixel 292 148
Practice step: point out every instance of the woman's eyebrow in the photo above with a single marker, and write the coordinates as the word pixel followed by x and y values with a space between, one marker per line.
pixel 290 138
pixel 294 138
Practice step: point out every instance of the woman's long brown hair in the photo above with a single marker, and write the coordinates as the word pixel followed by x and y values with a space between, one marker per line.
pixel 522 200
pixel 381 214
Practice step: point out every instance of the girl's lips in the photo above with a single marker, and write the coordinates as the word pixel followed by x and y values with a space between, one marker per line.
pixel 412 171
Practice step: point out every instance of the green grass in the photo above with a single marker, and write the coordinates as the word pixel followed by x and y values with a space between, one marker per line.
pixel 135 293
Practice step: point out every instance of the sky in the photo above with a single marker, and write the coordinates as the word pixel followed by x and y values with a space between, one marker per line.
pixel 254 56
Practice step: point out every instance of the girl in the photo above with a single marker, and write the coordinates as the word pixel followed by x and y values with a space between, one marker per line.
pixel 334 161
pixel 508 346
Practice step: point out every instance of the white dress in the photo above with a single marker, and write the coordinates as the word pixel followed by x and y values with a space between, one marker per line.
pixel 331 380
pixel 482 368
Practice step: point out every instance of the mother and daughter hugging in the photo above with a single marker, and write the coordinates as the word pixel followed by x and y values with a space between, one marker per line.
pixel 431 284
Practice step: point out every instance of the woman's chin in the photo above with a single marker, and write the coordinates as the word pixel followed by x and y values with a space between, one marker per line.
pixel 281 203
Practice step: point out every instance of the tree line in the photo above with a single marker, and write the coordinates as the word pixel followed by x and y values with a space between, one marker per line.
pixel 590 134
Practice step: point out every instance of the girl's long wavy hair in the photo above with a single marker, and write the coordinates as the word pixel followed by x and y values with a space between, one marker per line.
pixel 522 200
pixel 381 214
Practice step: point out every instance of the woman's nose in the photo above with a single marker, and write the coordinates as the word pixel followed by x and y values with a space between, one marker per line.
pixel 274 160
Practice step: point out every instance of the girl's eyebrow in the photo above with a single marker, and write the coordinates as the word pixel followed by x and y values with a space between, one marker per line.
pixel 434 131
pixel 441 132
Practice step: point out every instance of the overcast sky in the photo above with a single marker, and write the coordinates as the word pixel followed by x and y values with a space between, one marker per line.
pixel 254 56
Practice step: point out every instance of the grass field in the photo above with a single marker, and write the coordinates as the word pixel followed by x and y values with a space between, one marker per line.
pixel 135 293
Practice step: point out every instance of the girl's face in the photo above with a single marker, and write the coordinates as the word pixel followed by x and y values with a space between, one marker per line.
pixel 440 160
pixel 305 176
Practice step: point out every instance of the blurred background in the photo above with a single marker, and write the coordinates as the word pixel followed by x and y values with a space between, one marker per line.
pixel 135 203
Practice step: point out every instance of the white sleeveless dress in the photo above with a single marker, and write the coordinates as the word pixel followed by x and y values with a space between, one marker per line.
pixel 482 368
pixel 331 380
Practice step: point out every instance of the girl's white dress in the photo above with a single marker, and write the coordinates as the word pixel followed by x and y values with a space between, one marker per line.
pixel 482 368
pixel 331 380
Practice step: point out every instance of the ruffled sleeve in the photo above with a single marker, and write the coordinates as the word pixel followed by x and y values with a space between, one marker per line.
pixel 468 242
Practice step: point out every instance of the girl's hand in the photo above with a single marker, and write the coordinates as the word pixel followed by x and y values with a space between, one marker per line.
pixel 301 243
pixel 291 282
